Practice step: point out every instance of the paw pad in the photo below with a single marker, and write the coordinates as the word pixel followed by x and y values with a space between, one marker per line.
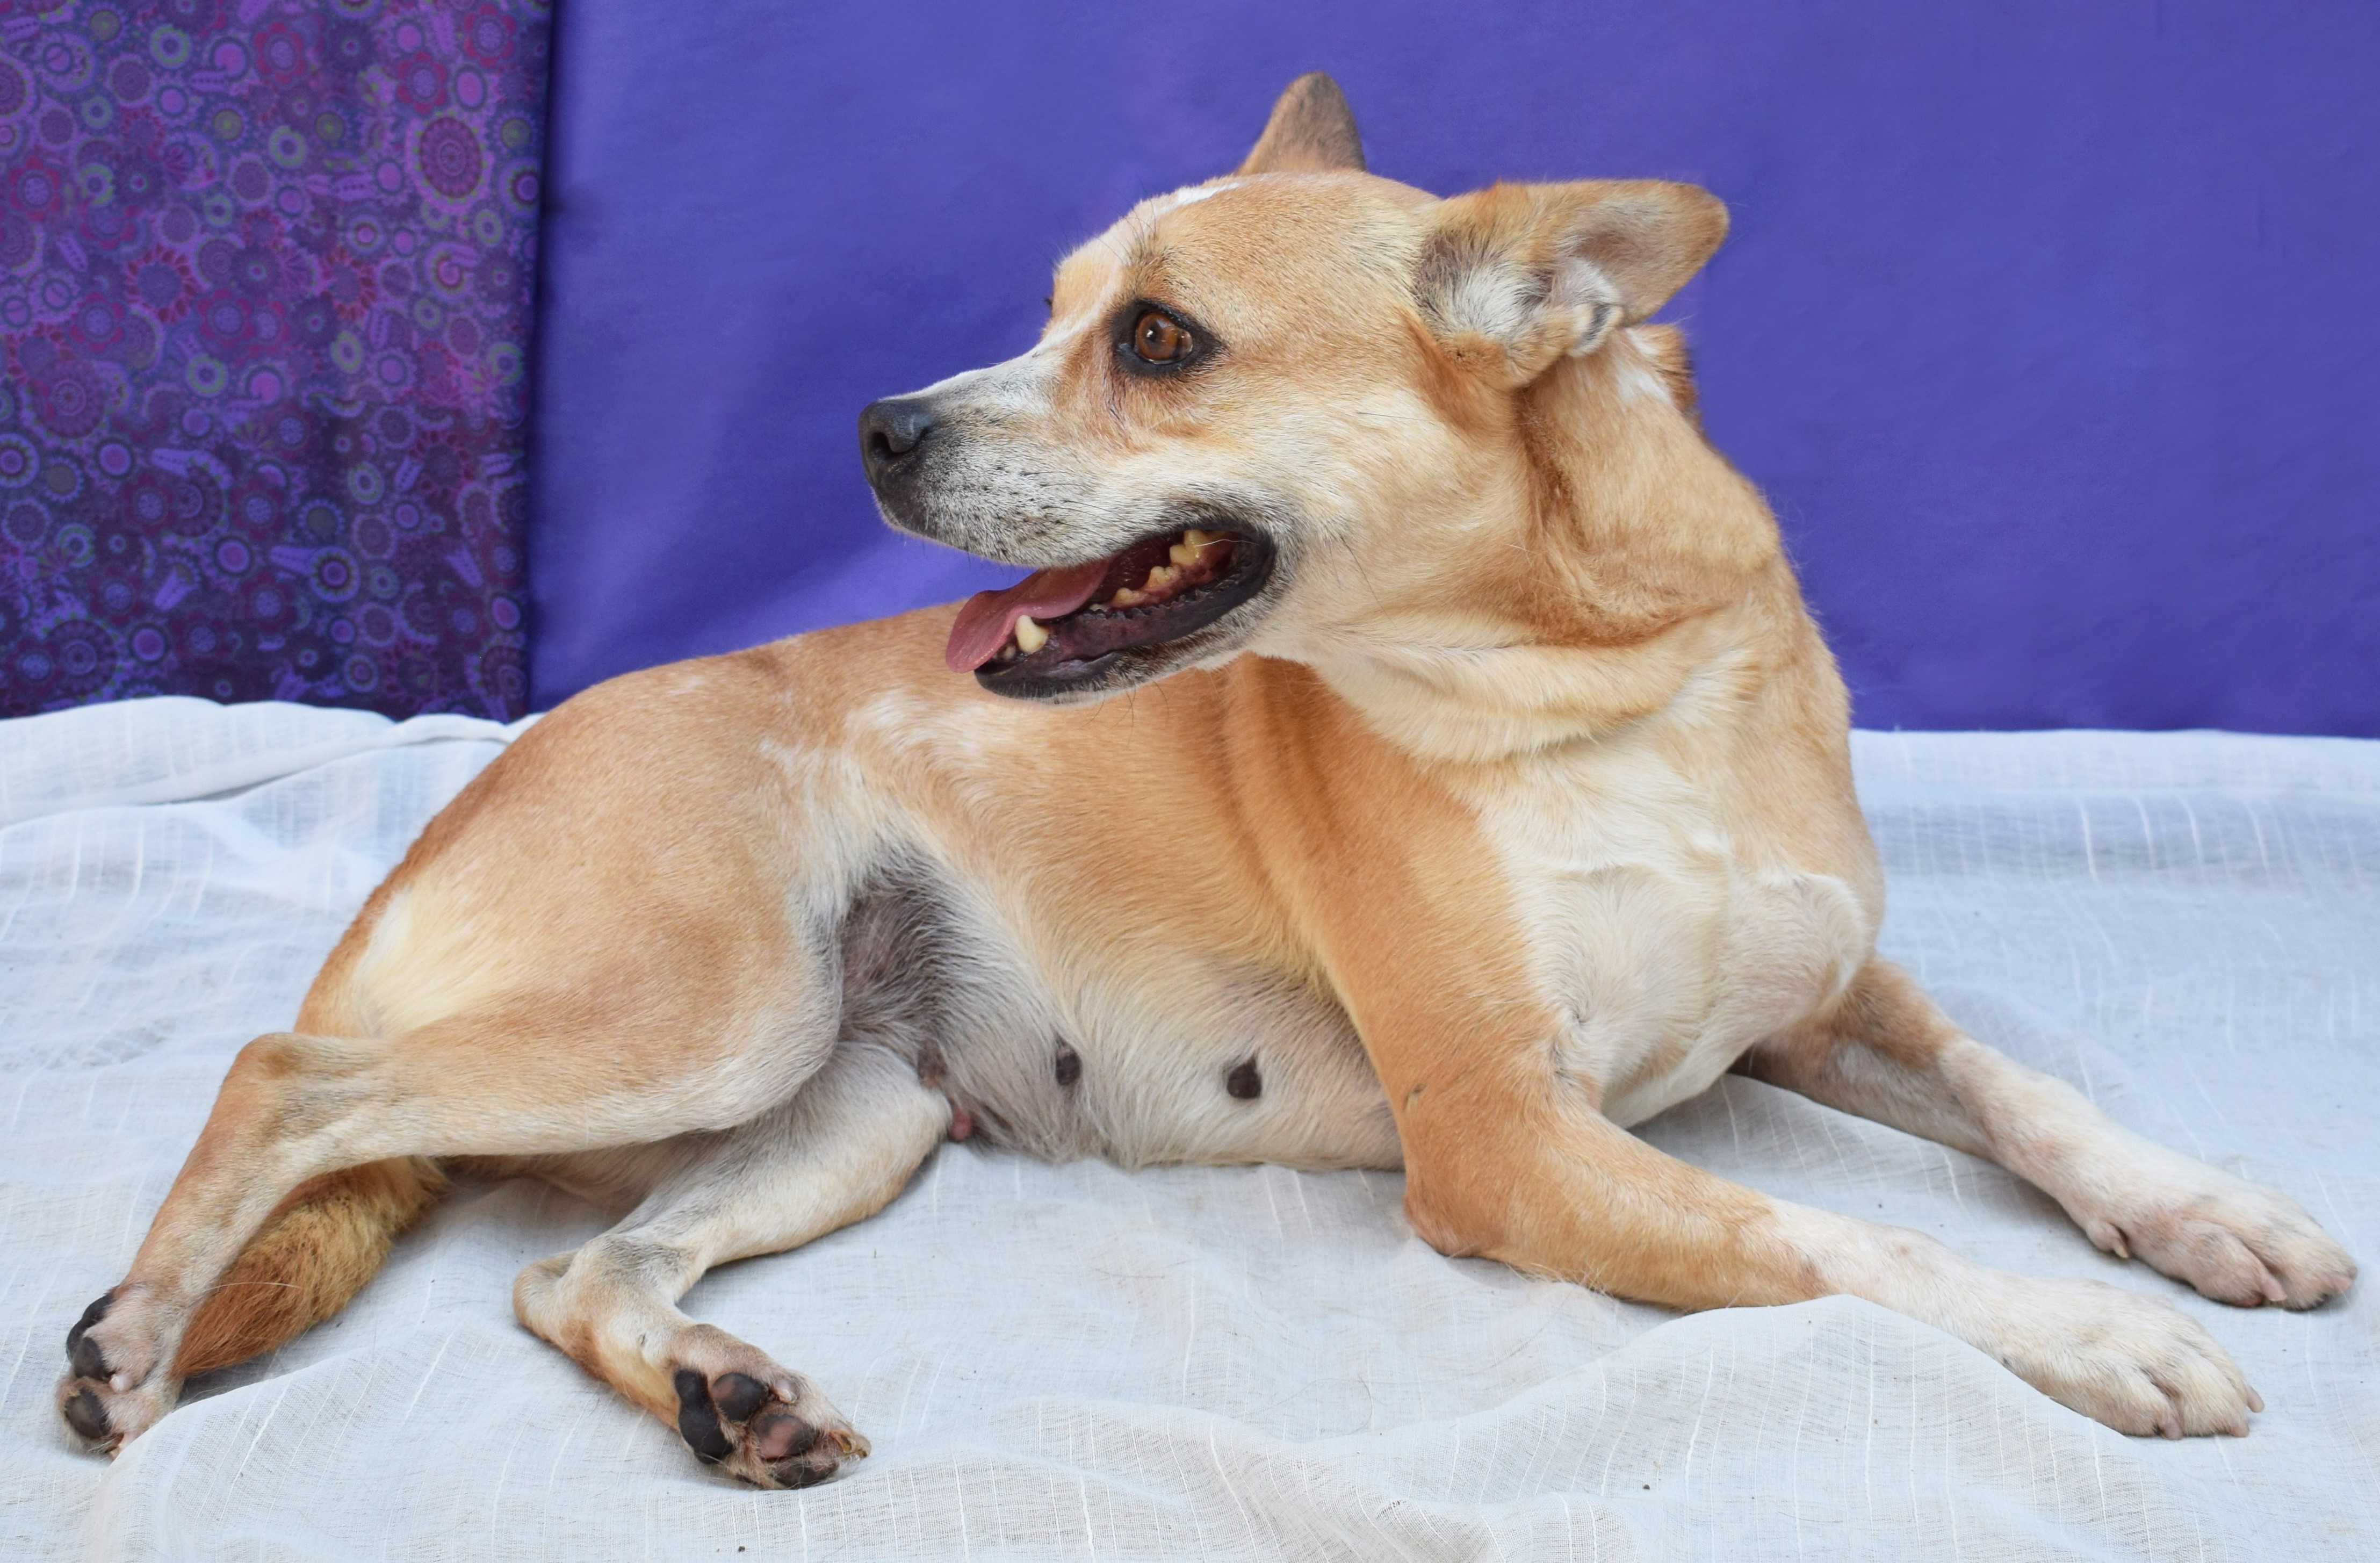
pixel 80 1404
pixel 738 1396
pixel 782 1436
pixel 87 1416
pixel 752 1429
pixel 698 1419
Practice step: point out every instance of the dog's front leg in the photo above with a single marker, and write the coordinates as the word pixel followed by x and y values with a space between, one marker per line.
pixel 1506 1157
pixel 1507 1153
pixel 1886 1051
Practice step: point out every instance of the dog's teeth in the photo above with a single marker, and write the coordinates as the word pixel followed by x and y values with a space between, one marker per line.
pixel 1030 636
pixel 1126 597
pixel 1160 579
pixel 1194 543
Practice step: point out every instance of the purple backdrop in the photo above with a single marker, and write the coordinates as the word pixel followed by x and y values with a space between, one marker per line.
pixel 265 294
pixel 2048 328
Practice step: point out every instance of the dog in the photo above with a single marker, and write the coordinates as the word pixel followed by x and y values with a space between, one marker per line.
pixel 1410 749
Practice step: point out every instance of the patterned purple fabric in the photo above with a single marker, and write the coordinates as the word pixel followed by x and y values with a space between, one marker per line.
pixel 264 299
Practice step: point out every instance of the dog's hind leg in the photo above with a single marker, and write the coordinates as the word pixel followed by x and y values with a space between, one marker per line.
pixel 834 1154
pixel 507 1081
pixel 621 931
pixel 1887 1052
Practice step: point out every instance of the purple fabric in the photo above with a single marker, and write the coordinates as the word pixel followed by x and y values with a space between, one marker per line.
pixel 2047 327
pixel 264 288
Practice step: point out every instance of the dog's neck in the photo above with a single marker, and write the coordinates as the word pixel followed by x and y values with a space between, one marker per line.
pixel 1624 568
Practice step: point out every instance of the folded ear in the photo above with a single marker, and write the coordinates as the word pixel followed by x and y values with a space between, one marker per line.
pixel 1310 132
pixel 1516 276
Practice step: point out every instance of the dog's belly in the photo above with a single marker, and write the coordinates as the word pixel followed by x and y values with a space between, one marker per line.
pixel 1097 1050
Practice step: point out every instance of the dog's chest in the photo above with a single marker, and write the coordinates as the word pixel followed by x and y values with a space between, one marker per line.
pixel 1665 944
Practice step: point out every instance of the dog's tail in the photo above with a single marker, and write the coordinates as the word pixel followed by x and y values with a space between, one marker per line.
pixel 326 1240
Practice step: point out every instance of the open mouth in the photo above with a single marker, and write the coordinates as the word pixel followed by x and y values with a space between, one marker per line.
pixel 1070 625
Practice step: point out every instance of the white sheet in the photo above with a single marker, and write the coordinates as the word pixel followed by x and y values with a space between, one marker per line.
pixel 1072 1362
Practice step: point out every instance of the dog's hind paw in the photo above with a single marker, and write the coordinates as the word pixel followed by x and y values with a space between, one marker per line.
pixel 113 1389
pixel 759 1421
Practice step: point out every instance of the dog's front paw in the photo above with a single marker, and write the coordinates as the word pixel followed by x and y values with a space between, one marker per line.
pixel 115 1387
pixel 760 1422
pixel 2131 1361
pixel 2234 1240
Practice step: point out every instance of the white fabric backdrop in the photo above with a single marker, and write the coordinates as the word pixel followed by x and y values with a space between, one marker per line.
pixel 1072 1362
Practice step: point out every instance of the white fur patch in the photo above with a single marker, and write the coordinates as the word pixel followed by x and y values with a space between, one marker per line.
pixel 1057 340
pixel 1501 302
pixel 1636 380
pixel 1158 206
pixel 1489 299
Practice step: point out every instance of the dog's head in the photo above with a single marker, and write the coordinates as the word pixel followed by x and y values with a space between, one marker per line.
pixel 1268 405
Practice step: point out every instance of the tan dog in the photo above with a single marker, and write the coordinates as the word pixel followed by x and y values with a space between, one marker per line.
pixel 1483 790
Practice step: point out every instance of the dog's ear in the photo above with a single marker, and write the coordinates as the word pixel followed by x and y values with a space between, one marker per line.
pixel 1516 276
pixel 1311 132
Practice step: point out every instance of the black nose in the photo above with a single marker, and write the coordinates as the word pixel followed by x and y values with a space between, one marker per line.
pixel 890 429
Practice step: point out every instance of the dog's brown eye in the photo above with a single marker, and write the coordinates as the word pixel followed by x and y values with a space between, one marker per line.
pixel 1158 338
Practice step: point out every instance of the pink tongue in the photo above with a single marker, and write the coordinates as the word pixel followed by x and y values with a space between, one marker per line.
pixel 986 618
